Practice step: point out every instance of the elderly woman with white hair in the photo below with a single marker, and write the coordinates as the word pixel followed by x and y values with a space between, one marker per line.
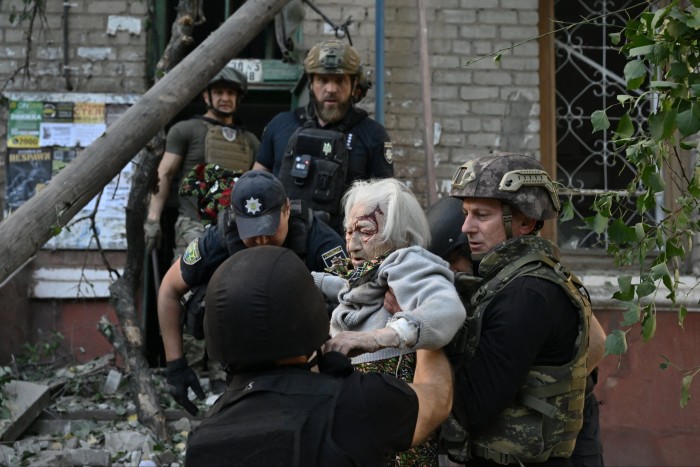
pixel 386 234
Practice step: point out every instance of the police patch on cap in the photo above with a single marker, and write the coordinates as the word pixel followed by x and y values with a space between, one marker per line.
pixel 191 255
pixel 328 256
pixel 253 206
pixel 388 152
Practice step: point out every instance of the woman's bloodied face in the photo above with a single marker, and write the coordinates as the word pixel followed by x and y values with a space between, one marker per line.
pixel 363 233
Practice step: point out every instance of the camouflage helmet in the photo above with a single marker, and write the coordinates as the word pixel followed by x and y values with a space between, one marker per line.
pixel 516 179
pixel 332 57
pixel 445 219
pixel 231 77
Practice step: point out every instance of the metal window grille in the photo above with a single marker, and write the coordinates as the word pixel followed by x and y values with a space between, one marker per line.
pixel 589 76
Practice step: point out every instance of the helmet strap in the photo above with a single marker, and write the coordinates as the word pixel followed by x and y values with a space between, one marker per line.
pixel 507 215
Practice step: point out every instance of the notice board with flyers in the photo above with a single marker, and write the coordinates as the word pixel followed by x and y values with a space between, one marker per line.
pixel 45 132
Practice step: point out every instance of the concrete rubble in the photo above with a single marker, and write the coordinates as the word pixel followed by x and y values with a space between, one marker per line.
pixel 84 415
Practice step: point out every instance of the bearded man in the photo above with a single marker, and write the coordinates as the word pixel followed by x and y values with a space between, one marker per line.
pixel 364 151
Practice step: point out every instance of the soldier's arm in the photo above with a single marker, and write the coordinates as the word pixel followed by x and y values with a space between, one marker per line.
pixel 259 166
pixel 167 169
pixel 432 383
pixel 596 344
pixel 172 289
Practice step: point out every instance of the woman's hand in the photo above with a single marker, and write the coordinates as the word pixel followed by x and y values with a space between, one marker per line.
pixel 353 343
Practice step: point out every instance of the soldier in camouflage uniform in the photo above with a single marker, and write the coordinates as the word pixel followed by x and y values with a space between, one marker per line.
pixel 447 240
pixel 519 384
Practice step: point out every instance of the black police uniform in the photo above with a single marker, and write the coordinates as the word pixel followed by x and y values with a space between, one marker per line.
pixel 367 141
pixel 207 252
pixel 276 416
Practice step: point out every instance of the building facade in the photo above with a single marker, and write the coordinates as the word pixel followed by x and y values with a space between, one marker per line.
pixel 503 75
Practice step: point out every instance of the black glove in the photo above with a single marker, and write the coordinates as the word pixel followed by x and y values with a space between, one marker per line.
pixel 180 377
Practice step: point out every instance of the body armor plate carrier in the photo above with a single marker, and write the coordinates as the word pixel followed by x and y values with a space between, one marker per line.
pixel 228 147
pixel 315 163
pixel 547 413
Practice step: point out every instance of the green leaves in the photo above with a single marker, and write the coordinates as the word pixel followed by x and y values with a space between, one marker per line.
pixel 616 343
pixel 688 120
pixel 685 389
pixel 635 71
pixel 600 121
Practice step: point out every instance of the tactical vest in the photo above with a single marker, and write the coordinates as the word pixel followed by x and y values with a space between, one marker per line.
pixel 315 162
pixel 280 418
pixel 228 147
pixel 547 414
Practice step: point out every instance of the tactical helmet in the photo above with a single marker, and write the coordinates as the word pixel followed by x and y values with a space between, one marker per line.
pixel 332 57
pixel 231 77
pixel 262 305
pixel 445 219
pixel 516 179
pixel 364 84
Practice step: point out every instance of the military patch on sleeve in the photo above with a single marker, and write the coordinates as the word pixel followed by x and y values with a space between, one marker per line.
pixel 328 256
pixel 192 255
pixel 388 152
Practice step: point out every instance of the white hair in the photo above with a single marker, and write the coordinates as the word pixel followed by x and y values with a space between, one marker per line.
pixel 406 224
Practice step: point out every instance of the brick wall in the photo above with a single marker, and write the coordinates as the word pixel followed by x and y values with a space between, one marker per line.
pixel 106 44
pixel 106 47
pixel 484 106
pixel 481 107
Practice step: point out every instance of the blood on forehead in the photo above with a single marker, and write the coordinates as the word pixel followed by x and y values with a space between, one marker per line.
pixel 372 217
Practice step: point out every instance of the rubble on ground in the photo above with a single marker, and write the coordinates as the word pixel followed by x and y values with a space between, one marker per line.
pixel 84 415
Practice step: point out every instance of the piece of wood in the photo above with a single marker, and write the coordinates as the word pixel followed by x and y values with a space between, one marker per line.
pixel 25 401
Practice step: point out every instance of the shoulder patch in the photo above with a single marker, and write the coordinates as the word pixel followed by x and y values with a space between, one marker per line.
pixel 328 256
pixel 388 152
pixel 191 255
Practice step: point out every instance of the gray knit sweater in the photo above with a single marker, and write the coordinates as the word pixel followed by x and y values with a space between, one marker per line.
pixel 423 285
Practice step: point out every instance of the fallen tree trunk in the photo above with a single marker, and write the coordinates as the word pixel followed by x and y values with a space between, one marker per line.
pixel 24 231
pixel 127 337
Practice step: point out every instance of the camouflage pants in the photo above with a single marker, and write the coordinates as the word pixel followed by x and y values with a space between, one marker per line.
pixel 404 367
pixel 195 350
pixel 186 230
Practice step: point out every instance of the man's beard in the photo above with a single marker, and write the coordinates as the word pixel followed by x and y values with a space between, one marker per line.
pixel 331 115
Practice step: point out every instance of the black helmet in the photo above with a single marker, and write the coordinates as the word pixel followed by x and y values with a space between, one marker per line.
pixel 261 306
pixel 231 77
pixel 516 179
pixel 445 219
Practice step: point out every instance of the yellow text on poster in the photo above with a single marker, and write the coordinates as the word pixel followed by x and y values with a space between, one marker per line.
pixel 89 112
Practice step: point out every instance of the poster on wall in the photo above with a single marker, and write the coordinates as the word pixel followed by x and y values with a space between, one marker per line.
pixel 43 137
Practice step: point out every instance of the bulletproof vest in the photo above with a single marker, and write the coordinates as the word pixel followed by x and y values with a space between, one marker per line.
pixel 227 147
pixel 467 336
pixel 279 417
pixel 315 162
pixel 547 413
